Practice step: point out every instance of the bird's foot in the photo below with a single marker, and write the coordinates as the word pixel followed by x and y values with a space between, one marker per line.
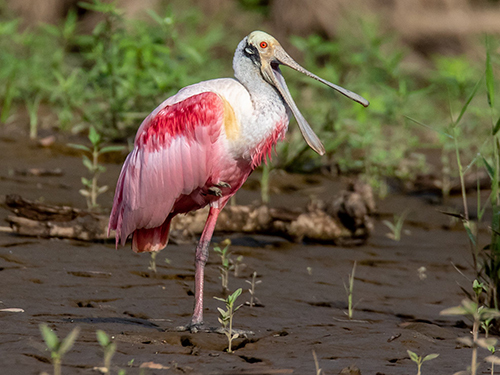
pixel 193 328
pixel 199 327
pixel 239 332
pixel 217 188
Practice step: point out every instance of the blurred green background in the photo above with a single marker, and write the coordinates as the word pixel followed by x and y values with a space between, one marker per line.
pixel 67 65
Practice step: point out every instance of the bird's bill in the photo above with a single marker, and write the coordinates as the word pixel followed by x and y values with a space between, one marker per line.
pixel 285 59
pixel 272 72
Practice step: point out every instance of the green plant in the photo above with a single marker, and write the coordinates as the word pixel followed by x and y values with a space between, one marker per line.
pixel 349 289
pixel 225 267
pixel 226 317
pixel 57 347
pixel 109 348
pixel 396 226
pixel 253 283
pixel 477 314
pixel 92 190
pixel 419 360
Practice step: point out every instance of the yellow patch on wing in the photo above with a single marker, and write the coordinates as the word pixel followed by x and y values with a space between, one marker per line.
pixel 231 124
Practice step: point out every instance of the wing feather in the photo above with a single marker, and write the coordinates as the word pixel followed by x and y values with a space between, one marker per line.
pixel 174 154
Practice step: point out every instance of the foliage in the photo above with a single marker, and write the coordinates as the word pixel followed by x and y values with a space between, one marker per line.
pixel 349 289
pixel 478 314
pixel 226 317
pixel 92 190
pixel 397 226
pixel 109 348
pixel 57 347
pixel 253 283
pixel 419 360
pixel 110 79
pixel 226 266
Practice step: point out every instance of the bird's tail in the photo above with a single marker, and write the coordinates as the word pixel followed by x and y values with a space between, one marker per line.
pixel 153 239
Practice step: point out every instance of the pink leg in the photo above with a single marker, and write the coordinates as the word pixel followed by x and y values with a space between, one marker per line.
pixel 201 258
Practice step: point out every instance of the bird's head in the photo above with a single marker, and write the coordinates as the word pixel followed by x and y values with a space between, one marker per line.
pixel 266 54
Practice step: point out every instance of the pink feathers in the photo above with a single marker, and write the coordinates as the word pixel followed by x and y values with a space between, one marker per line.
pixel 175 153
pixel 180 119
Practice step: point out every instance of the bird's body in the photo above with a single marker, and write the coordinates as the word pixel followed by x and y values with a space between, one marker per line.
pixel 198 147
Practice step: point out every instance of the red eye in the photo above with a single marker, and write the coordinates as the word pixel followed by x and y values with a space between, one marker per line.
pixel 263 44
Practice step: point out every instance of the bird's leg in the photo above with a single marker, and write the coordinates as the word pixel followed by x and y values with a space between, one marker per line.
pixel 201 258
pixel 216 188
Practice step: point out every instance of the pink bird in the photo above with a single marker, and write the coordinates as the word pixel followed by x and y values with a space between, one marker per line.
pixel 198 147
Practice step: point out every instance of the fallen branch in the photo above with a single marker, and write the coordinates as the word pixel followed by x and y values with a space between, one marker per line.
pixel 346 219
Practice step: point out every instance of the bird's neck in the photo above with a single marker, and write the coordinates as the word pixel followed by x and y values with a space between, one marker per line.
pixel 268 122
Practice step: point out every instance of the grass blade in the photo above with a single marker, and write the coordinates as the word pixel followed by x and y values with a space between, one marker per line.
pixel 490 79
pixel 429 127
pixel 466 105
pixel 496 128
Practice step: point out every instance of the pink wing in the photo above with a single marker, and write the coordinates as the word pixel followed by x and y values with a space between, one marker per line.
pixel 174 152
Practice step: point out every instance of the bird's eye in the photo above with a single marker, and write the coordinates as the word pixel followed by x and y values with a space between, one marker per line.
pixel 263 45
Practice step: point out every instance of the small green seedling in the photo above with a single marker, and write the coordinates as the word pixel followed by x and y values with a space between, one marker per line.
pixel 226 266
pixel 92 190
pixel 226 317
pixel 252 288
pixel 56 347
pixel 349 290
pixel 419 360
pixel 109 348
pixel 396 227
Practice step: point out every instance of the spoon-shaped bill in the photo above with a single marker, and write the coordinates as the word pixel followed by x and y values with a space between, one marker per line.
pixel 285 59
pixel 273 75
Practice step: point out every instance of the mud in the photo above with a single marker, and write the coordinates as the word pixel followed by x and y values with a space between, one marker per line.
pixel 399 289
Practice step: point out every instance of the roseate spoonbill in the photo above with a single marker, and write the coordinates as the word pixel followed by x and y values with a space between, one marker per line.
pixel 199 146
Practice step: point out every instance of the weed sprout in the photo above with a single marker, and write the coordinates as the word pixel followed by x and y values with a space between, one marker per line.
pixel 57 347
pixel 92 190
pixel 419 360
pixel 226 317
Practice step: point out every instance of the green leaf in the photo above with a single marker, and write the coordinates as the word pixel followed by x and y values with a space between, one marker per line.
pixel 466 105
pixel 49 337
pixel 94 136
pixel 471 235
pixel 490 79
pixel 489 168
pixel 68 342
pixel 413 356
pixel 111 149
pixel 102 338
pixel 496 128
pixel 79 147
pixel 429 127
pixel 430 357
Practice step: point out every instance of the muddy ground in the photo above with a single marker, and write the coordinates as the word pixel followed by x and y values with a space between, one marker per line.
pixel 69 284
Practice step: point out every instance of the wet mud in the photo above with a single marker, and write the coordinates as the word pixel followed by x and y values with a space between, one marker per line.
pixel 399 289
